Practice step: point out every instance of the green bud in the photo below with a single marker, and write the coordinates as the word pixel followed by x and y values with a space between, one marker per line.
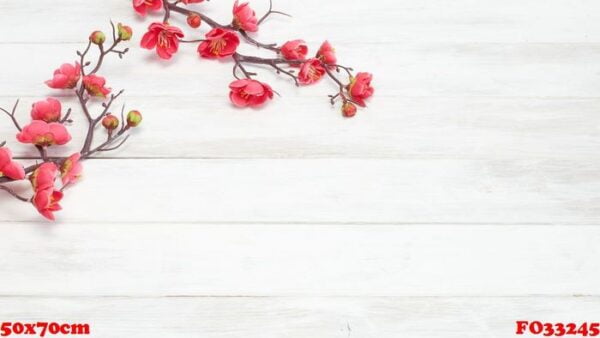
pixel 134 118
pixel 124 32
pixel 97 37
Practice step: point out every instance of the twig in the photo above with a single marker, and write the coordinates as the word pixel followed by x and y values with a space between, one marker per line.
pixel 172 7
pixel 14 193
pixel 271 11
pixel 11 114
pixel 341 94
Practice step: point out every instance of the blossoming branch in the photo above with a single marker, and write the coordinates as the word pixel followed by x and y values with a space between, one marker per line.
pixel 48 127
pixel 222 40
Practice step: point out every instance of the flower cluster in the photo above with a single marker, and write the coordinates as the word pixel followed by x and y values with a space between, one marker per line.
pixel 222 40
pixel 50 176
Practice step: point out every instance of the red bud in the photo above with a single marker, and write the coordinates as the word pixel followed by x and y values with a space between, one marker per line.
pixel 110 122
pixel 348 109
pixel 194 20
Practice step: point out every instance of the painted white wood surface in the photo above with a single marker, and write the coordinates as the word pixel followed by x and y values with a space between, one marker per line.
pixel 331 191
pixel 465 198
pixel 166 259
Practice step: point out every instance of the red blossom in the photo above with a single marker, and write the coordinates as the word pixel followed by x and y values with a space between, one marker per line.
pixel 294 50
pixel 44 176
pixel 249 93
pixel 164 37
pixel 142 7
pixel 47 202
pixel 311 72
pixel 65 77
pixel 44 134
pixel 360 88
pixel 224 39
pixel 327 54
pixel 8 167
pixel 48 110
pixel 71 169
pixel 219 43
pixel 244 17
pixel 47 127
pixel 95 85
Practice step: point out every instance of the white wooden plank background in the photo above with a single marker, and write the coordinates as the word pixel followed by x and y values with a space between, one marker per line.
pixel 465 198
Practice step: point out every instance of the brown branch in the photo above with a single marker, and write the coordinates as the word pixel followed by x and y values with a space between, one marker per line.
pixel 278 64
pixel 82 58
pixel 93 122
pixel 67 116
pixel 11 114
pixel 14 193
pixel 342 87
pixel 172 7
pixel 167 11
pixel 103 54
pixel 272 62
pixel 271 11
pixel 111 139
pixel 270 46
pixel 83 101
pixel 87 151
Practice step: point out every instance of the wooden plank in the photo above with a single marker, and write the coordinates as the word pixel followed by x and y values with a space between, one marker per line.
pixel 407 128
pixel 153 259
pixel 387 21
pixel 420 69
pixel 301 317
pixel 373 191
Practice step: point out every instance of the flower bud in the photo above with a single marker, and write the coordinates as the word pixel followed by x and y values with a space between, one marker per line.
pixel 349 109
pixel 134 118
pixel 110 122
pixel 194 20
pixel 97 37
pixel 124 32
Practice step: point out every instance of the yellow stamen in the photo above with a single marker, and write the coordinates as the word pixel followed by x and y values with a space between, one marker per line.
pixel 216 46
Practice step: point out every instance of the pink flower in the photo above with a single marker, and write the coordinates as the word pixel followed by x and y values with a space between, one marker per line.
pixel 71 169
pixel 8 167
pixel 44 176
pixel 187 2
pixel 164 37
pixel 95 85
pixel 327 54
pixel 249 93
pixel 44 134
pixel 47 202
pixel 219 43
pixel 66 77
pixel 244 17
pixel 311 72
pixel 294 50
pixel 143 6
pixel 360 88
pixel 47 111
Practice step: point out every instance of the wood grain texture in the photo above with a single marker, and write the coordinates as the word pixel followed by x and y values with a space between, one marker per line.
pixel 350 20
pixel 166 259
pixel 388 317
pixel 415 69
pixel 331 191
pixel 403 128
pixel 465 198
